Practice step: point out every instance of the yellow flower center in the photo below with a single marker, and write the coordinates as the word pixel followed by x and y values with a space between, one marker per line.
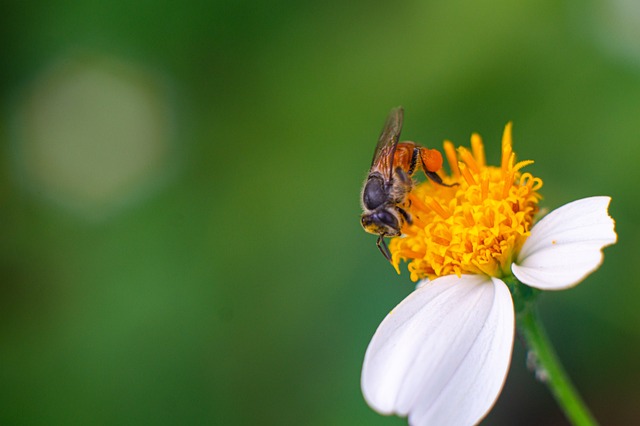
pixel 475 227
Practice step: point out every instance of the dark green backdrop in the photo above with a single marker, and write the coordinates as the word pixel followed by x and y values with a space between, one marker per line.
pixel 179 184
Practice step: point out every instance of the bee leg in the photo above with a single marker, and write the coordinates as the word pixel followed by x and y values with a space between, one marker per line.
pixel 414 160
pixel 383 248
pixel 437 179
pixel 405 215
pixel 431 160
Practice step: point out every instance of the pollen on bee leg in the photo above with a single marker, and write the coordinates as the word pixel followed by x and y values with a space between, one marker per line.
pixel 431 159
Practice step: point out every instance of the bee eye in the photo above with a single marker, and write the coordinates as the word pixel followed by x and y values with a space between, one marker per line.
pixel 374 193
pixel 386 218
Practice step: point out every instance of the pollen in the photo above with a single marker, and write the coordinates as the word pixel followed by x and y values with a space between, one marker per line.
pixel 474 227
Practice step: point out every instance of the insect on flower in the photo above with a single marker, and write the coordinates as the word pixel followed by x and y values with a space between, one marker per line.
pixel 385 192
pixel 442 355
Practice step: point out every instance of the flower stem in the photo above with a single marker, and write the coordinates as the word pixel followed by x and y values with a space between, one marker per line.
pixel 549 370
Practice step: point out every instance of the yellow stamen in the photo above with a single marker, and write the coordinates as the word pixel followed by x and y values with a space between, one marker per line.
pixel 419 205
pixel 507 159
pixel 476 227
pixel 478 149
pixel 436 207
pixel 508 183
pixel 467 174
pixel 452 158
pixel 485 185
pixel 468 215
pixel 441 241
pixel 468 159
pixel 522 164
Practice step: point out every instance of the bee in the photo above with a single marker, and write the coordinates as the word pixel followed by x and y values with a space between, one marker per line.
pixel 385 192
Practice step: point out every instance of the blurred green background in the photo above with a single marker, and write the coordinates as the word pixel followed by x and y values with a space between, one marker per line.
pixel 179 197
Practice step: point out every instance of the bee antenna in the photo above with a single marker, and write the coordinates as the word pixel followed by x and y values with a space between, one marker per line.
pixel 383 248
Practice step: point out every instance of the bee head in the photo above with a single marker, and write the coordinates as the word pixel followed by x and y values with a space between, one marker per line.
pixel 383 222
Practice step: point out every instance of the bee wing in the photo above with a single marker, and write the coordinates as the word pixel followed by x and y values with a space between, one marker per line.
pixel 388 141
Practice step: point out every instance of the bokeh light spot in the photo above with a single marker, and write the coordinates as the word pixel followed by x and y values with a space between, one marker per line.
pixel 617 26
pixel 93 134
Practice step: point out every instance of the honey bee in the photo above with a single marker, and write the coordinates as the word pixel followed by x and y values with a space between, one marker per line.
pixel 385 192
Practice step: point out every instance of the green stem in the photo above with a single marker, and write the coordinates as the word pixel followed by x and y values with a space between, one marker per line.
pixel 549 370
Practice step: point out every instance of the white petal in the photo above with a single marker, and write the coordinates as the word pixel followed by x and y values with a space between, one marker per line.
pixel 566 245
pixel 442 355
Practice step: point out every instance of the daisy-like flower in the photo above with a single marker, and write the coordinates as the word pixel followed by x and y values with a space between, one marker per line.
pixel 442 355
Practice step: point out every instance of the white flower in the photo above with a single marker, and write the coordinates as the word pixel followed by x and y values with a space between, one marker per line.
pixel 442 355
